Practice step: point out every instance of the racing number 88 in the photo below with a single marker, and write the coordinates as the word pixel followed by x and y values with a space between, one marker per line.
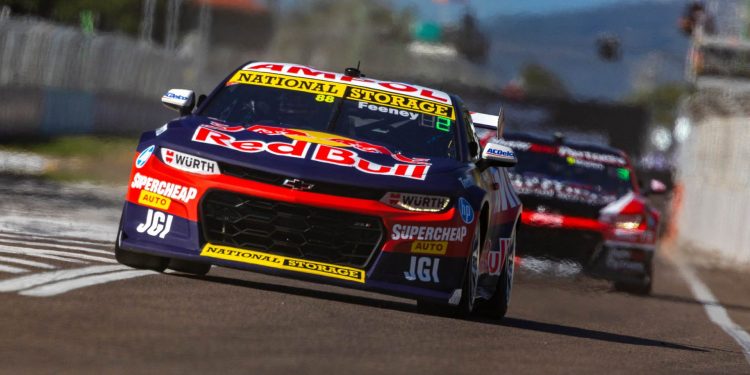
pixel 324 98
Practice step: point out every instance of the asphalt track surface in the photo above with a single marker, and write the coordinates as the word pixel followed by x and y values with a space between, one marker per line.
pixel 67 307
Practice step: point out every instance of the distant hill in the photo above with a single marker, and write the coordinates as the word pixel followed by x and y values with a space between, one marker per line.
pixel 653 49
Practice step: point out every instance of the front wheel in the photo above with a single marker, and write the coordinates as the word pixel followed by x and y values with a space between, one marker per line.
pixel 467 305
pixel 140 260
pixel 186 266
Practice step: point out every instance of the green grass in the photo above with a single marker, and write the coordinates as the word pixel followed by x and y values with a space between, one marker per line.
pixel 84 158
pixel 77 146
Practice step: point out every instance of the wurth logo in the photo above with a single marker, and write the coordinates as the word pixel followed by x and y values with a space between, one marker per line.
pixel 189 163
pixel 394 199
pixel 169 156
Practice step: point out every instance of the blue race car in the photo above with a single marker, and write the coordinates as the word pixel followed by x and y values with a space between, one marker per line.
pixel 289 170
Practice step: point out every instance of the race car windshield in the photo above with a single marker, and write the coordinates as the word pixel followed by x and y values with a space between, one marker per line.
pixel 604 178
pixel 401 130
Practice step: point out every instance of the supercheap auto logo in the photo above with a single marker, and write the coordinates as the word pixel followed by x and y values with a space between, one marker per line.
pixel 283 263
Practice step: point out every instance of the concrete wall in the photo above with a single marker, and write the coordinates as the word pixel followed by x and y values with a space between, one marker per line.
pixel 713 217
pixel 32 112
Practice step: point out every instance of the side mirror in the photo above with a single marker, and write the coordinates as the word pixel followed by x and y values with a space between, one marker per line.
pixel 655 187
pixel 497 155
pixel 179 100
pixel 201 99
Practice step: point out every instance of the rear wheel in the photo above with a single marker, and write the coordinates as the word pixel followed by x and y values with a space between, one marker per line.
pixel 186 266
pixel 497 306
pixel 643 288
pixel 471 279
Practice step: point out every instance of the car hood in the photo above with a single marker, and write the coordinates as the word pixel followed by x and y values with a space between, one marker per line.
pixel 314 156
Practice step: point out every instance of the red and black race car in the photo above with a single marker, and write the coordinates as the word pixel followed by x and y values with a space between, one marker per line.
pixel 339 178
pixel 583 202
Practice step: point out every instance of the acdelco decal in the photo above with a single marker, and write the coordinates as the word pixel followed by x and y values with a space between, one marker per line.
pixel 154 200
pixel 425 233
pixel 400 102
pixel 321 153
pixel 429 247
pixel 164 188
pixel 291 83
pixel 283 263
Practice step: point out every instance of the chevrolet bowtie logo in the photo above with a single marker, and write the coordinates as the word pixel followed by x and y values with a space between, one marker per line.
pixel 297 184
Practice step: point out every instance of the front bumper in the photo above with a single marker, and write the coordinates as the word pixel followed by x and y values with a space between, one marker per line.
pixel 624 262
pixel 416 255
pixel 607 253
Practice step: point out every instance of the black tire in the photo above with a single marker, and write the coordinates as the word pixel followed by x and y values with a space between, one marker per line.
pixel 497 306
pixel 140 260
pixel 643 288
pixel 186 266
pixel 467 305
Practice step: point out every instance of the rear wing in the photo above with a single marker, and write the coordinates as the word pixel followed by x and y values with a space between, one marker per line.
pixel 493 122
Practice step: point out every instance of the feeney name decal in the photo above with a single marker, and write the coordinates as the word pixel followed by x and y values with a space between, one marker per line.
pixel 283 263
pixel 321 153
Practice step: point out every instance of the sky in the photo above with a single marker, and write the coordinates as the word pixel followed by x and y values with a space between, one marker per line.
pixel 489 8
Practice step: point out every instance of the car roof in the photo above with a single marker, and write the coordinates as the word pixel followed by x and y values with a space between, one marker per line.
pixel 303 71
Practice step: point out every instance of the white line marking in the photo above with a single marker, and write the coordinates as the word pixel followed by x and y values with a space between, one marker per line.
pixel 25 282
pixel 62 240
pixel 54 246
pixel 44 256
pixel 715 311
pixel 41 253
pixel 82 282
pixel 11 269
pixel 26 262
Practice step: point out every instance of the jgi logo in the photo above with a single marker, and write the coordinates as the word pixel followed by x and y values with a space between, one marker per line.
pixel 423 268
pixel 157 224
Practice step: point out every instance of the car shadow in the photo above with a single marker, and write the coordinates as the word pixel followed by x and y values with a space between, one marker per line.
pixel 525 324
pixel 584 333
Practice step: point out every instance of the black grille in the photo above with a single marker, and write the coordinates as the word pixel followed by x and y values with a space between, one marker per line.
pixel 557 206
pixel 318 187
pixel 293 230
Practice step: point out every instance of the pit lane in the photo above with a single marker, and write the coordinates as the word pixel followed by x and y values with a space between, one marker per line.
pixel 118 320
